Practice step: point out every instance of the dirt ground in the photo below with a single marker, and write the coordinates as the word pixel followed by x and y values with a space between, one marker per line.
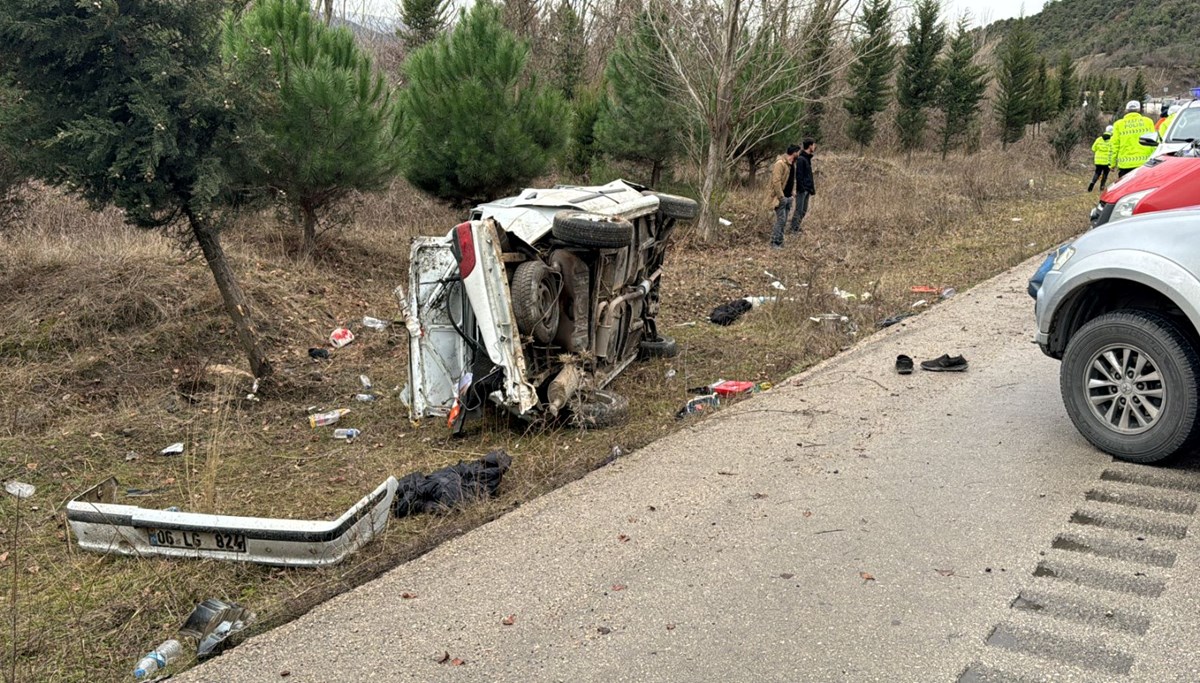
pixel 110 338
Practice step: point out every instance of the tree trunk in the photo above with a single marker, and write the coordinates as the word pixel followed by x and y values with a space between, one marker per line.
pixel 328 12
pixel 656 169
pixel 718 126
pixel 309 216
pixel 232 295
pixel 751 169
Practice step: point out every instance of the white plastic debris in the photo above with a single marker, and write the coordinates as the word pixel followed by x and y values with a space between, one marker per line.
pixel 725 222
pixel 365 382
pixel 174 449
pixel 340 337
pixel 843 294
pixel 671 373
pixel 1016 219
pixel 20 489
pixel 866 296
pixel 374 323
pixel 779 285
pixel 920 303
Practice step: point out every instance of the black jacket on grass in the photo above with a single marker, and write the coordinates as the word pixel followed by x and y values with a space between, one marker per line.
pixel 804 174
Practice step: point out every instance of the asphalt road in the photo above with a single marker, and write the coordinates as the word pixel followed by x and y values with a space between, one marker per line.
pixel 853 525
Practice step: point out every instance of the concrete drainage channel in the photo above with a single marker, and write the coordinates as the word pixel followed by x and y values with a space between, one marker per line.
pixel 1086 612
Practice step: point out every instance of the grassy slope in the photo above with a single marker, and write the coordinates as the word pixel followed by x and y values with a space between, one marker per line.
pixel 108 333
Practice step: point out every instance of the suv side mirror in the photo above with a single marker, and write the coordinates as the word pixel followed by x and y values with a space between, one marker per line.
pixel 1149 140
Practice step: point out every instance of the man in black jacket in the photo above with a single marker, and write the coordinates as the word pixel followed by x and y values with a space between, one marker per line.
pixel 805 188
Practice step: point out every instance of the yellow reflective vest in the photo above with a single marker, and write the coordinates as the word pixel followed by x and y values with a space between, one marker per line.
pixel 1130 153
pixel 1103 149
pixel 1162 130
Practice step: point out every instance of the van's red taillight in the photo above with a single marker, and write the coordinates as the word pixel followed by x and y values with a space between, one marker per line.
pixel 465 241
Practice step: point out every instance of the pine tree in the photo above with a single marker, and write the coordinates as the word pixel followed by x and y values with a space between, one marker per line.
pixel 638 121
pixel 818 55
pixel 582 146
pixel 566 47
pixel 423 20
pixel 478 125
pixel 1040 96
pixel 1140 89
pixel 124 105
pixel 874 60
pixel 960 93
pixel 772 126
pixel 326 122
pixel 918 78
pixel 1068 85
pixel 1015 76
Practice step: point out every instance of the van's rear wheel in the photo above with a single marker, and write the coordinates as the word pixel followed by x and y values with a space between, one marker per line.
pixel 600 409
pixel 674 206
pixel 535 300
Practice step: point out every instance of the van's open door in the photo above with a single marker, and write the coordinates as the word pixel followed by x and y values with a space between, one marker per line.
pixel 438 354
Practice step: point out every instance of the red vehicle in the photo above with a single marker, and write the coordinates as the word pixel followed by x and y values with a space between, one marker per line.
pixel 1169 182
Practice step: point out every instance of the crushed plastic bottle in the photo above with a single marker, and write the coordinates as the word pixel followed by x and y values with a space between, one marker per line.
pixel 365 381
pixel 364 398
pixel 346 434
pixel 374 323
pixel 324 419
pixel 158 659
pixel 949 292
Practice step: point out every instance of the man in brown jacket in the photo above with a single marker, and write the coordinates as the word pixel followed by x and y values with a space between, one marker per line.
pixel 779 197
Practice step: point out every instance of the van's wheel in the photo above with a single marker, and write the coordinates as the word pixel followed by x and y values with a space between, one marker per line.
pixel 661 346
pixel 592 230
pixel 600 409
pixel 535 300
pixel 1129 382
pixel 674 206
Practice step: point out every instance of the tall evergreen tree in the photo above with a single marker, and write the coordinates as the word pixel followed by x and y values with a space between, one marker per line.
pixel 1015 76
pixel 960 93
pixel 423 21
pixel 566 46
pixel 919 76
pixel 478 125
pixel 581 150
pixel 1038 111
pixel 818 55
pixel 124 104
pixel 326 122
pixel 638 121
pixel 874 60
pixel 772 126
pixel 1068 85
pixel 1140 90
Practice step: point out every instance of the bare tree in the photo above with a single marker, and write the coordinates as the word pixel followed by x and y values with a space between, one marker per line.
pixel 730 61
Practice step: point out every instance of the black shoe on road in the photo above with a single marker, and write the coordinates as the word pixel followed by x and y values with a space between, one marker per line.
pixel 904 365
pixel 945 363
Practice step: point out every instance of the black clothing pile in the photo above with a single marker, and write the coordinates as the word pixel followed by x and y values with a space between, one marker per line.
pixel 451 486
pixel 727 314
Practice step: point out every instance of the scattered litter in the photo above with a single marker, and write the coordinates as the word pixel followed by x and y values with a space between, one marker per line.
pixel 451 486
pixel 327 418
pixel 340 337
pixel 174 449
pixel 1031 245
pixel 700 404
pixel 346 434
pixel 779 285
pixel 212 622
pixel 253 395
pixel 20 489
pixel 725 222
pixel 771 275
pixel 1015 219
pixel 374 323
pixel 671 373
pixel 843 294
pixel 318 354
pixel 365 398
pixel 866 296
pixel 888 322
pixel 131 456
pixel 920 303
pixel 949 292
pixel 732 388
pixel 757 301
pixel 728 314
pixel 829 318
pixel 365 381
pixel 925 289
pixel 158 659
pixel 100 524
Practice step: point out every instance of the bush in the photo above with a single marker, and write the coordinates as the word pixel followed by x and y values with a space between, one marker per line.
pixel 1066 133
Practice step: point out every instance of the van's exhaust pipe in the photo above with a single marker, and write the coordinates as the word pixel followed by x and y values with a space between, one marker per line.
pixel 564 386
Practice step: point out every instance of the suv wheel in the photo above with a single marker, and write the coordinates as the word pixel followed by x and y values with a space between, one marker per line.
pixel 1129 383
pixel 592 230
pixel 535 300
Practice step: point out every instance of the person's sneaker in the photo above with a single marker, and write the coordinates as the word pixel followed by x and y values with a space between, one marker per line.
pixel 904 365
pixel 945 363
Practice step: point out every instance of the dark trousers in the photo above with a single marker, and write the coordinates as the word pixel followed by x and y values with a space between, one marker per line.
pixel 1101 174
pixel 1122 172
pixel 801 211
pixel 781 216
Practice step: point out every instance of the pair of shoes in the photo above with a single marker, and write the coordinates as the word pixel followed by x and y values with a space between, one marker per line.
pixel 945 363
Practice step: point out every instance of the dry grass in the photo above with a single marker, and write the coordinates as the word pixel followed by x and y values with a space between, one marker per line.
pixel 108 332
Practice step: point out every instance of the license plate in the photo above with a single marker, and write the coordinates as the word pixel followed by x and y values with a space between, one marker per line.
pixel 232 542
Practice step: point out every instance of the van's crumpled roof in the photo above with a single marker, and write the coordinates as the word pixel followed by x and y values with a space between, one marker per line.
pixel 530 214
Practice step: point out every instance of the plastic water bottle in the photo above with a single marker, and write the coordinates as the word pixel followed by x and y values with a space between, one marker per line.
pixel 347 434
pixel 159 658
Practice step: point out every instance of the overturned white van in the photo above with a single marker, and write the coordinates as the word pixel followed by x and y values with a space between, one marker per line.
pixel 538 302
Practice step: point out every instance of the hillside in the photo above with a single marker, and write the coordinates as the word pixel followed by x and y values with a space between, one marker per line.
pixel 1149 33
